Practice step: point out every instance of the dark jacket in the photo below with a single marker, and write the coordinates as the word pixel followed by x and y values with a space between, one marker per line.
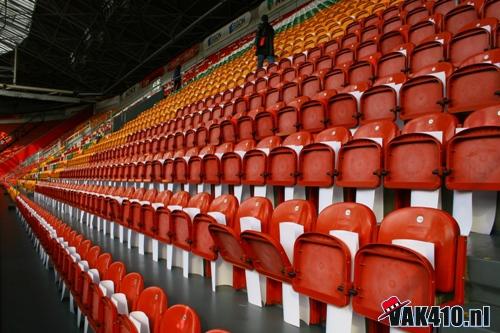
pixel 265 31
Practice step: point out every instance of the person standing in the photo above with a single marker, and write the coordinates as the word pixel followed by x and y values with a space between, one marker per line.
pixel 177 77
pixel 264 42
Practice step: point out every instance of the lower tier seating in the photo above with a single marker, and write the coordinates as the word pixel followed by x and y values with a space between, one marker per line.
pixel 110 299
pixel 335 258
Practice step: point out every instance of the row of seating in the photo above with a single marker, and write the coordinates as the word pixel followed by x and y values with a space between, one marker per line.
pixel 433 46
pixel 111 299
pixel 312 107
pixel 414 159
pixel 253 236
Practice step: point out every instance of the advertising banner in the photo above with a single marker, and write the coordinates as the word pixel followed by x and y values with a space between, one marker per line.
pixel 226 31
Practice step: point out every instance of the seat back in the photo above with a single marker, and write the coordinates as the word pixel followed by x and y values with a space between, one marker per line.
pixel 427 225
pixel 297 211
pixel 473 87
pixel 180 198
pixel 384 129
pixel 472 157
pixel 425 92
pixel 153 302
pixel 201 201
pixel 348 216
pixel 255 207
pixel 489 116
pixel 150 195
pixel 342 110
pixel 438 122
pixel 116 271
pixel 102 263
pixel 164 197
pixel 255 161
pixel 472 39
pixel 226 204
pixel 132 285
pixel 180 319
pixel 92 255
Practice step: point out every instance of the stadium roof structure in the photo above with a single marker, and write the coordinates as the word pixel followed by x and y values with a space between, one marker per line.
pixel 102 47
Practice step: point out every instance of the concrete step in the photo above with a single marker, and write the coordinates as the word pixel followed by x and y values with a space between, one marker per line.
pixel 483 269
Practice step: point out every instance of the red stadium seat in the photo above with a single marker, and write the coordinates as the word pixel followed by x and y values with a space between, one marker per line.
pixel 323 262
pixel 162 221
pixel 360 160
pixel 473 87
pixel 254 164
pixel 414 160
pixel 489 116
pixel 231 162
pixel 381 101
pixel 458 17
pixel 211 164
pixel 265 250
pixel 130 288
pixel 152 302
pixel 472 160
pixel 112 280
pixel 425 91
pixel 181 224
pixel 222 210
pixel 227 239
pixel 317 160
pixel 409 267
pixel 282 163
pixel 473 38
pixel 430 51
pixel 179 319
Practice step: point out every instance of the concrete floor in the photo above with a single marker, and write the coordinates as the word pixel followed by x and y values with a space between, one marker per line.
pixel 30 299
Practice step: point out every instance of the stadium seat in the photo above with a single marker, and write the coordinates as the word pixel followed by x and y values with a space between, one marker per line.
pixel 430 51
pixel 414 160
pixel 109 283
pixel 222 210
pixel 161 224
pixel 458 17
pixel 231 162
pixel 195 165
pixel 489 116
pixel 181 222
pixel 265 250
pixel 475 37
pixel 432 268
pixel 418 32
pixel 360 160
pixel 425 92
pixel 381 101
pixel 257 210
pixel 322 262
pixel 179 319
pixel 255 164
pixel 395 61
pixel 471 159
pixel 282 166
pixel 466 94
pixel 151 304
pixel 317 160
pixel 342 108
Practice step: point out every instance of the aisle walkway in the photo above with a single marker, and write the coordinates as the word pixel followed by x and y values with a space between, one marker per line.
pixel 30 299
